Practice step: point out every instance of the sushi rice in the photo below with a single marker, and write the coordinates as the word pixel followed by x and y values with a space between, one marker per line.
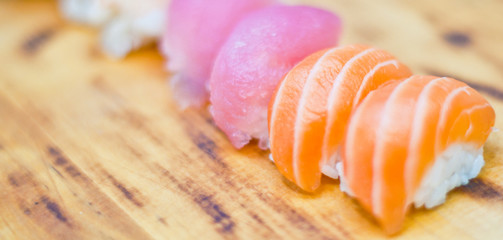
pixel 126 25
pixel 454 167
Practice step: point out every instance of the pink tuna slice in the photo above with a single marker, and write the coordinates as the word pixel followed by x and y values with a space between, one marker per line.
pixel 262 48
pixel 196 30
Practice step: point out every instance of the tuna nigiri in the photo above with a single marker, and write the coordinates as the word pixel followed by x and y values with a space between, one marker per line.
pixel 311 107
pixel 411 142
pixel 263 47
pixel 196 30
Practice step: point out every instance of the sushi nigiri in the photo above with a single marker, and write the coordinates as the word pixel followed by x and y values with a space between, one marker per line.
pixel 263 47
pixel 310 109
pixel 411 142
pixel 126 24
pixel 195 32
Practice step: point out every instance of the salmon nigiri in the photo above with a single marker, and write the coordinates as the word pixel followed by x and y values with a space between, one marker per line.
pixel 263 47
pixel 195 32
pixel 411 142
pixel 312 105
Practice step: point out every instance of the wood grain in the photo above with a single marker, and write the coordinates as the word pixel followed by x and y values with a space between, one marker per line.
pixel 93 148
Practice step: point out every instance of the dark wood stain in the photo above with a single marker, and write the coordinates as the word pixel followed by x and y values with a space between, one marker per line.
pixel 207 146
pixel 258 219
pixel 483 189
pixel 457 39
pixel 13 181
pixel 27 211
pixel 208 119
pixel 17 179
pixel 138 121
pixel 162 220
pixel 95 52
pixel 130 117
pixel 49 215
pixel 297 219
pixel 53 151
pixel 263 226
pixel 56 154
pixel 72 171
pixel 369 34
pixel 99 83
pixel 135 152
pixel 489 90
pixel 62 161
pixel 127 193
pixel 215 211
pixel 205 201
pixel 37 40
pixel 300 221
pixel 54 208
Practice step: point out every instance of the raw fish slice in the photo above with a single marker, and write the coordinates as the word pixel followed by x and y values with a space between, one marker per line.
pixel 196 30
pixel 412 142
pixel 264 46
pixel 309 113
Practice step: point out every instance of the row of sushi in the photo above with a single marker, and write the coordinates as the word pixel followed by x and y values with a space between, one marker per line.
pixel 272 72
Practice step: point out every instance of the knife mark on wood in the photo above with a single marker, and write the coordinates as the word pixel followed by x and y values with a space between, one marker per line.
pixel 489 90
pixel 483 189
pixel 56 171
pixel 37 40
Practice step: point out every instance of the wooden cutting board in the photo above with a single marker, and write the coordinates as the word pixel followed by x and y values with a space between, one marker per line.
pixel 95 148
